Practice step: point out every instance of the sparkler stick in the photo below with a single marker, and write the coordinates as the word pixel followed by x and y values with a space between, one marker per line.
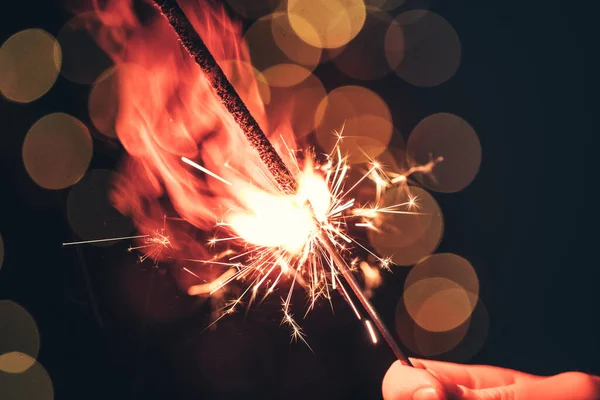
pixel 229 98
pixel 347 274
pixel 226 93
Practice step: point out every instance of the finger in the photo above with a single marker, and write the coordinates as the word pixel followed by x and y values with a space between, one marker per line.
pixel 569 385
pixel 474 376
pixel 403 382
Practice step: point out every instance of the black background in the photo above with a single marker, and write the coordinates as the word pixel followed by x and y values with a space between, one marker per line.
pixel 527 224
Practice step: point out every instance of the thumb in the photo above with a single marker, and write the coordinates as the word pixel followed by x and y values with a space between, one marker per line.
pixel 404 382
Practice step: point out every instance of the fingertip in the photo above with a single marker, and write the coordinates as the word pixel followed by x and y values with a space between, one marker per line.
pixel 404 382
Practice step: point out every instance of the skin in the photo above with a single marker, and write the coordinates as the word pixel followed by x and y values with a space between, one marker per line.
pixel 436 380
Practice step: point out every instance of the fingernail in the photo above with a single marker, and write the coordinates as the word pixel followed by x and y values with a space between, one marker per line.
pixel 427 394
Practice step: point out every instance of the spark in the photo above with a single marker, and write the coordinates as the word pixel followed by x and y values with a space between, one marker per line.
pixel 264 255
pixel 371 331
pixel 205 170
pixel 113 239
pixel 284 237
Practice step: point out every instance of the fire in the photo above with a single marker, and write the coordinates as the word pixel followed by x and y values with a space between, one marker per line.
pixel 281 220
pixel 172 126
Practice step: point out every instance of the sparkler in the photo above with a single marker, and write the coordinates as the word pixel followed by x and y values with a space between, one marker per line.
pixel 320 246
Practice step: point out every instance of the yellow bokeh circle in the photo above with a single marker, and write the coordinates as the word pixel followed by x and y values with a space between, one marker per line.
pixel 360 116
pixel 326 23
pixel 30 61
pixel 57 151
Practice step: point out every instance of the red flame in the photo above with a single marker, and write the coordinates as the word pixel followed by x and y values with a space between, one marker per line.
pixel 167 110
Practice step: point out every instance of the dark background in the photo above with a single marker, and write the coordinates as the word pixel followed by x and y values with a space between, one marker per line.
pixel 527 224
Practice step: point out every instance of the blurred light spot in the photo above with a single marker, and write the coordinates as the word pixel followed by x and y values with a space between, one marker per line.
pixel 293 46
pixel 284 75
pixel 448 266
pixel 57 151
pixel 429 343
pixel 296 106
pixel 255 8
pixel 432 49
pixel 275 49
pixel 474 338
pixel 438 304
pixel 83 59
pixel 365 56
pixel 103 103
pixel 19 332
pixel 1 251
pixel 89 210
pixel 29 65
pixel 361 116
pixel 15 362
pixel 326 23
pixel 33 383
pixel 423 342
pixel 407 238
pixel 452 138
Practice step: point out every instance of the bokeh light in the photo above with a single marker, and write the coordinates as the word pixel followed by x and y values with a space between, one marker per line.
pixel 19 332
pixel 291 44
pixel 365 56
pixel 448 266
pixel 284 75
pixel 296 106
pixel 475 337
pixel 29 64
pixel 423 342
pixel 15 362
pixel 90 212
pixel 437 304
pixel 33 383
pixel 452 138
pixel 326 23
pixel 432 49
pixel 362 117
pixel 255 8
pixel 277 52
pixel 83 59
pixel 57 151
pixel 103 103
pixel 407 238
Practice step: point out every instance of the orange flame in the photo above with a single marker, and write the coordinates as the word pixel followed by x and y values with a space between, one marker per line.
pixel 167 110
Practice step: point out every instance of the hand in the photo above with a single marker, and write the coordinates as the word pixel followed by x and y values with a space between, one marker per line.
pixel 436 380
